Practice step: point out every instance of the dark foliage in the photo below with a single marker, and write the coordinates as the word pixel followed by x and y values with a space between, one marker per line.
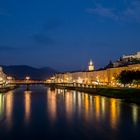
pixel 129 77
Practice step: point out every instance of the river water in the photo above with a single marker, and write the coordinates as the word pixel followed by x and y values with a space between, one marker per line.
pixel 41 113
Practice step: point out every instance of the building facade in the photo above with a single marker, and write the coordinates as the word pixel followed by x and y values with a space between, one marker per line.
pixel 91 66
pixel 134 56
pixel 102 77
pixel 3 77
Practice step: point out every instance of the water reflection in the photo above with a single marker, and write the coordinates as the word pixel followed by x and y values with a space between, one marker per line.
pixel 97 107
pixel 69 105
pixel 66 111
pixel 103 107
pixel 115 111
pixel 9 108
pixel 27 103
pixel 79 100
pixel 135 111
pixel 92 108
pixel 1 106
pixel 52 105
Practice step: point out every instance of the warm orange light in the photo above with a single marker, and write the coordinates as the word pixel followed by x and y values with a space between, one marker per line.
pixel 27 78
pixel 9 78
pixel 27 96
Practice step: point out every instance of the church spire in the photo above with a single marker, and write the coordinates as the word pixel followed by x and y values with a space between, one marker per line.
pixel 91 66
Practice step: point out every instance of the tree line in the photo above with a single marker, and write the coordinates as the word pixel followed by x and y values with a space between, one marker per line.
pixel 129 77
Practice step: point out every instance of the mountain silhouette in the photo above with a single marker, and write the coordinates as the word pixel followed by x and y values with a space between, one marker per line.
pixel 21 71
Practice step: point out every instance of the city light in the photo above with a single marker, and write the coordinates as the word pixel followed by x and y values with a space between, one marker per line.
pixel 9 78
pixel 27 78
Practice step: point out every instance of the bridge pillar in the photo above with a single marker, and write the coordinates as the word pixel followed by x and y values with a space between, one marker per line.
pixel 27 87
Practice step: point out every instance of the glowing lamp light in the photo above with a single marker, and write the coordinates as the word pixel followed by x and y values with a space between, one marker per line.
pixel 27 78
pixel 95 82
pixel 9 78
pixel 80 81
pixel 1 79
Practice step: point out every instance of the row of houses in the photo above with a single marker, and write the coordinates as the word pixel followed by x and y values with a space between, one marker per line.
pixel 103 77
pixel 4 79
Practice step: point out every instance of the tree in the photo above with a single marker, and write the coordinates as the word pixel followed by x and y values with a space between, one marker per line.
pixel 129 77
pixel 110 64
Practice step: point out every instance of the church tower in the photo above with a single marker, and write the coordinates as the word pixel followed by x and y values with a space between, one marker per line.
pixel 91 66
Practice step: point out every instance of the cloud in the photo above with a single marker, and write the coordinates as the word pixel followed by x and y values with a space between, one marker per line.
pixel 102 11
pixel 129 12
pixel 133 11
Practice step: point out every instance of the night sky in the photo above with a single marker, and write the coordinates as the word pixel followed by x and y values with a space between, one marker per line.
pixel 66 34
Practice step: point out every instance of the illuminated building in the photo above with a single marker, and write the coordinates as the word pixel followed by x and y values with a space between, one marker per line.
pixel 106 76
pixel 134 56
pixel 100 77
pixel 128 60
pixel 91 66
pixel 3 78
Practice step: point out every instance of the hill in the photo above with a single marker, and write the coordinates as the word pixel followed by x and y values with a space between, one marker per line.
pixel 21 71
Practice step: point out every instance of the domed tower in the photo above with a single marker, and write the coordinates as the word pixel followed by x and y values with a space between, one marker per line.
pixel 91 66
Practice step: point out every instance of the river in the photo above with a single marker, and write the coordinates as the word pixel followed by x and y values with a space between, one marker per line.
pixel 41 113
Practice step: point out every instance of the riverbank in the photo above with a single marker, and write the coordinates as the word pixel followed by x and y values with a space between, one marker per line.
pixel 127 94
pixel 3 90
pixel 130 95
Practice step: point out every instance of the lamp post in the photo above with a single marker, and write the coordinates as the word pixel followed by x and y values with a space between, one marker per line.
pixel 27 78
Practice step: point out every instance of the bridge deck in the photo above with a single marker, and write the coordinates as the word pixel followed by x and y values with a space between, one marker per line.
pixel 21 82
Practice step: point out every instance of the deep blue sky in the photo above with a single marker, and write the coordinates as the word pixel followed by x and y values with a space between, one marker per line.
pixel 65 34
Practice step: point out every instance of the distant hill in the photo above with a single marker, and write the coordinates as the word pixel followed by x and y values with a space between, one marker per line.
pixel 21 71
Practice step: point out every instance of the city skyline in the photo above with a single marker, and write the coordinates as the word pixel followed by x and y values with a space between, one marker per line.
pixel 69 69
pixel 66 35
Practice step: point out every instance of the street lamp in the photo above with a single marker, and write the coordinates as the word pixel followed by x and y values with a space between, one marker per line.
pixel 27 78
pixel 1 79
pixel 9 78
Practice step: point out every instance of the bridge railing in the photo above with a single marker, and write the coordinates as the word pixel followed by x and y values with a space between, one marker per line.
pixel 76 85
pixel 28 82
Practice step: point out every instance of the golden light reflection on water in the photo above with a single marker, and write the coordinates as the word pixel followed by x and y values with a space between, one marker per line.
pixel 74 98
pixel 27 103
pixel 79 100
pixel 114 113
pixel 1 106
pixel 103 105
pixel 97 107
pixel 135 114
pixel 92 108
pixel 52 105
pixel 9 108
pixel 69 105
pixel 86 101
pixel 83 103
